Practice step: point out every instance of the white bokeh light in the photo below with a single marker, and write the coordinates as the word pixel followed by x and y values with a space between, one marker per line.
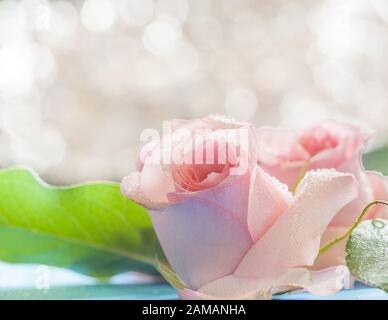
pixel 82 67
pixel 44 65
pixel 299 110
pixel 274 74
pixel 381 9
pixel 241 103
pixel 136 12
pixel 174 8
pixel 16 70
pixel 184 61
pixel 161 36
pixel 206 32
pixel 12 21
pixel 20 120
pixel 38 13
pixel 41 149
pixel 339 28
pixel 248 28
pixel 98 15
pixel 59 31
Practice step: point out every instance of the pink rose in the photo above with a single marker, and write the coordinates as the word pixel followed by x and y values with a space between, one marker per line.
pixel 228 229
pixel 288 155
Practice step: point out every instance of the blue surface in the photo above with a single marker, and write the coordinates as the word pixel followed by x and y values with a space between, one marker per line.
pixel 359 293
pixel 159 291
pixel 42 282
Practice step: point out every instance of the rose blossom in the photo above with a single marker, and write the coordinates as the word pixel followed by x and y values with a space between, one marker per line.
pixel 231 233
pixel 288 155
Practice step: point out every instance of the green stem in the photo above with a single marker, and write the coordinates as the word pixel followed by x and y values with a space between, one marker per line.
pixel 300 176
pixel 328 245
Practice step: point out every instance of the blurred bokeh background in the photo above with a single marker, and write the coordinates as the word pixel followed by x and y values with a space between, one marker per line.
pixel 79 80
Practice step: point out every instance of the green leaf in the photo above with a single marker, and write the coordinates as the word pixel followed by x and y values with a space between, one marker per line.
pixel 377 160
pixel 367 253
pixel 89 228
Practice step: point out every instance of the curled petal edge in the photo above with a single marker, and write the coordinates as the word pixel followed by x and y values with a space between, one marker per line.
pixel 321 283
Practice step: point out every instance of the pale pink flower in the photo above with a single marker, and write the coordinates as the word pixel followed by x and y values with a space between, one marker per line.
pixel 288 155
pixel 235 234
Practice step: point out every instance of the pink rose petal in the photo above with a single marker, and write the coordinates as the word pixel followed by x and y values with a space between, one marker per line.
pixel 323 283
pixel 202 242
pixel 294 239
pixel 349 214
pixel 379 185
pixel 230 196
pixel 334 256
pixel 268 199
pixel 150 187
